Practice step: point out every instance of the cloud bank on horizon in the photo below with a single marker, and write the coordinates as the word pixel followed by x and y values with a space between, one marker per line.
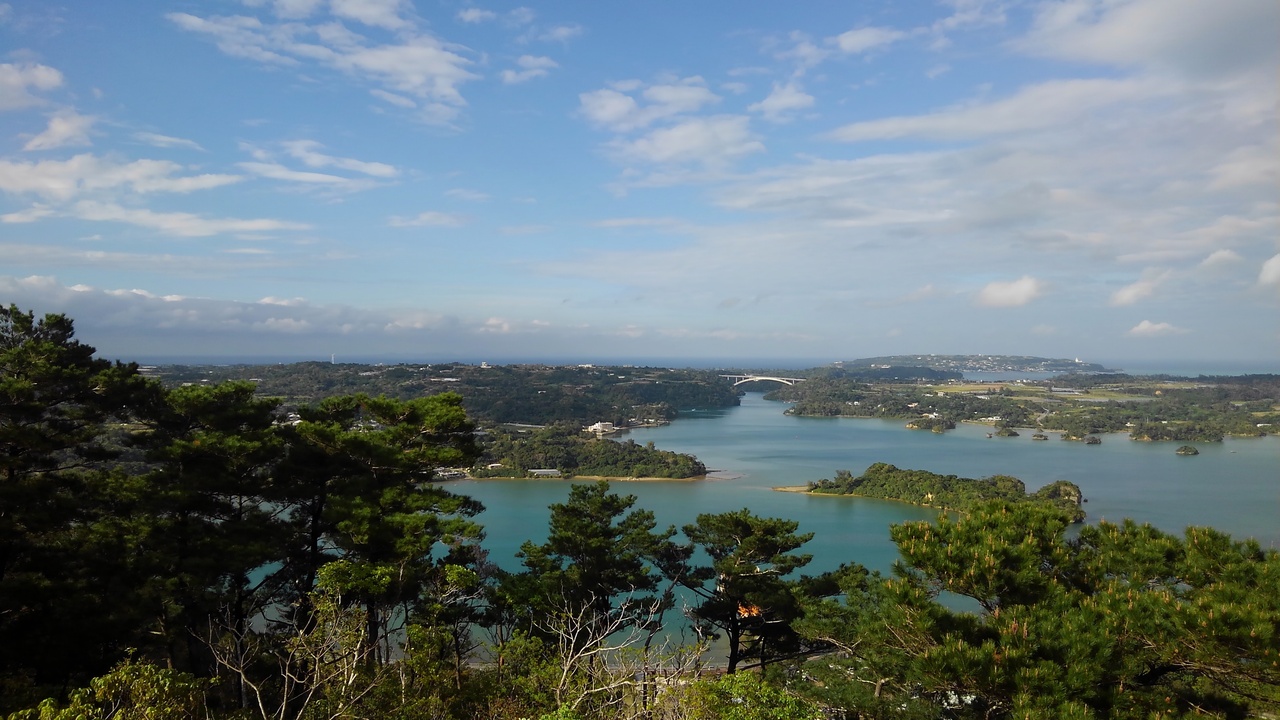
pixel 1070 178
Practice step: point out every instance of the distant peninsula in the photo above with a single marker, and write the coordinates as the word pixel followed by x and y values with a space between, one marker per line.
pixel 980 363
pixel 947 492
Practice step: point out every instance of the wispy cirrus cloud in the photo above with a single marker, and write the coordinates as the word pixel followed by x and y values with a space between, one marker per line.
pixel 166 141
pixel 87 173
pixel 414 64
pixel 1141 289
pixel 308 151
pixel 429 218
pixel 66 128
pixel 179 224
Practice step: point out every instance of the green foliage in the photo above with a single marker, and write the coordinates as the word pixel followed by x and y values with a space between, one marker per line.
pixel 601 556
pixel 743 696
pixel 1125 622
pixel 540 394
pixel 65 589
pixel 566 448
pixel 921 487
pixel 133 690
pixel 744 591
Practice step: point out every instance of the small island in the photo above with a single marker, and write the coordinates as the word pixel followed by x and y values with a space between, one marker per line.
pixel 1187 450
pixel 566 451
pixel 947 492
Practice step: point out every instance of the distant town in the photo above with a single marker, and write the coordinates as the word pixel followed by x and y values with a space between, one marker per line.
pixel 981 363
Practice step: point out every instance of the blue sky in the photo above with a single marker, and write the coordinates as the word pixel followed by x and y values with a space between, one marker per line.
pixel 433 180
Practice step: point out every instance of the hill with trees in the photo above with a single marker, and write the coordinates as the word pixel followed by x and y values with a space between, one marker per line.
pixel 948 492
pixel 533 394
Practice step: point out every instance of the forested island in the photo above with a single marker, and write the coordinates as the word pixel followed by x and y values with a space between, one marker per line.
pixel 570 453
pixel 1203 409
pixel 948 492
pixel 195 551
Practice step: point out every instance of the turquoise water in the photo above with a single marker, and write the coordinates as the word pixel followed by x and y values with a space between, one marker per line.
pixel 1233 486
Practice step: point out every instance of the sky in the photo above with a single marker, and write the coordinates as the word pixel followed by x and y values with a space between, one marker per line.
pixel 436 180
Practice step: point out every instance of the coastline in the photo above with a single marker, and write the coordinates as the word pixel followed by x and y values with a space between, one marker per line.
pixel 590 478
pixel 804 490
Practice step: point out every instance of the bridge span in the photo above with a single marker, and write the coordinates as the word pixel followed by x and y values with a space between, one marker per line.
pixel 739 379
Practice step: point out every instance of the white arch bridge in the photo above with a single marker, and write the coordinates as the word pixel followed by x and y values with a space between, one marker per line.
pixel 739 379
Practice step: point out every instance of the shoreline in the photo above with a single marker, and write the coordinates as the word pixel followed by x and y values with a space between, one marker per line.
pixel 590 478
pixel 804 490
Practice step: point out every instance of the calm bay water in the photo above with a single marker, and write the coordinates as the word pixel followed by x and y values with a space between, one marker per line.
pixel 1233 486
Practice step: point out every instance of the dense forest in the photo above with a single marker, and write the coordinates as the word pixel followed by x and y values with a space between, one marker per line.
pixel 949 492
pixel 534 394
pixel 565 448
pixel 188 551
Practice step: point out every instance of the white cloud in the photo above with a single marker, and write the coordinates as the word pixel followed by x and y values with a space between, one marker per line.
pixel 276 171
pixel 476 15
pixel 65 179
pixel 1146 328
pixel 1251 165
pixel 430 218
pixel 393 98
pixel 860 40
pixel 614 109
pixel 420 66
pixel 467 194
pixel 782 102
pixel 711 141
pixel 178 224
pixel 1188 37
pixel 1270 273
pixel 31 214
pixel 283 302
pixel 1035 107
pixel 66 128
pixel 560 33
pixel 284 325
pixel 308 151
pixel 495 325
pixel 1221 257
pixel 1012 293
pixel 377 13
pixel 804 53
pixel 18 81
pixel 1136 291
pixel 165 141
pixel 531 67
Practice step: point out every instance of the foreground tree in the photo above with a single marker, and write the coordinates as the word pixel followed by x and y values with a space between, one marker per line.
pixel 209 516
pixel 1123 622
pixel 359 480
pixel 745 590
pixel 65 598
pixel 600 556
